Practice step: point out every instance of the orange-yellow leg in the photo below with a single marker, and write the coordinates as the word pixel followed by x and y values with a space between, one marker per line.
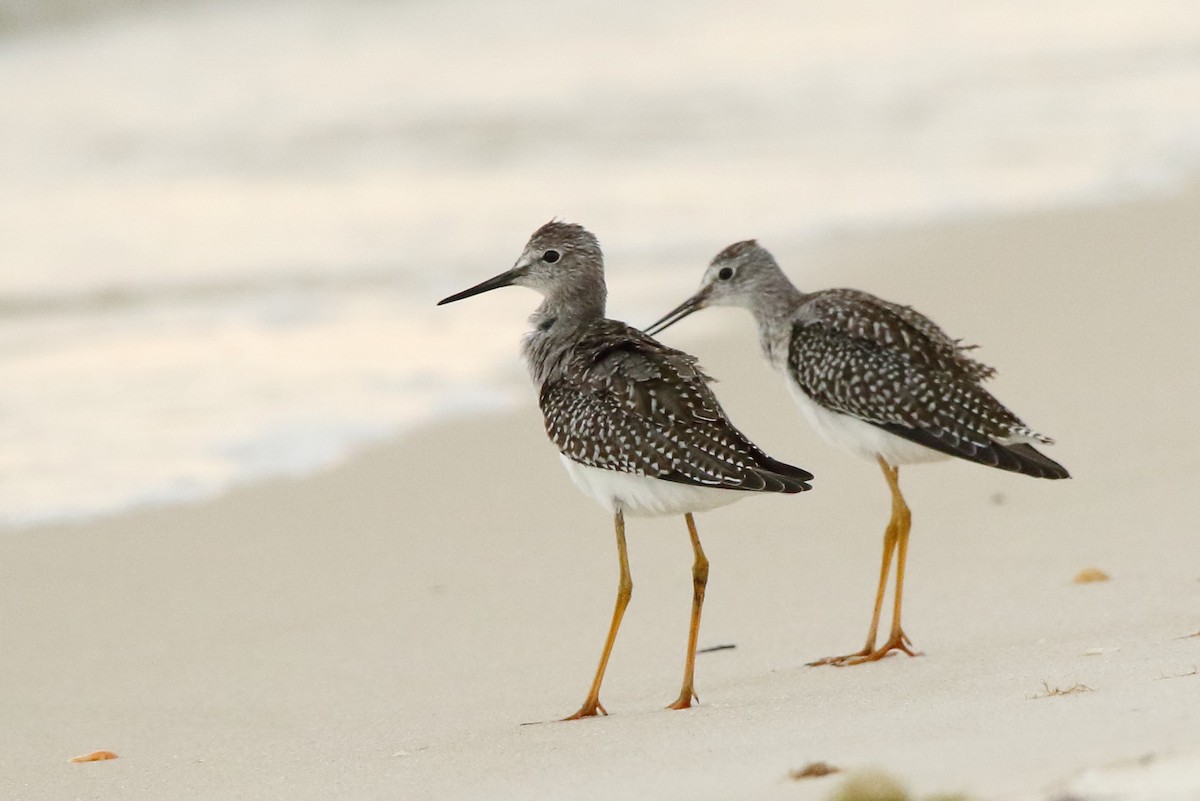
pixel 699 581
pixel 895 540
pixel 885 568
pixel 591 705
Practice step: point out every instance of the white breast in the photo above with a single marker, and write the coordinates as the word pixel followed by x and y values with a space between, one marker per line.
pixel 643 495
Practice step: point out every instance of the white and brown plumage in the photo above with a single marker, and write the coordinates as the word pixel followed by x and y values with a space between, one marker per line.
pixel 637 426
pixel 879 379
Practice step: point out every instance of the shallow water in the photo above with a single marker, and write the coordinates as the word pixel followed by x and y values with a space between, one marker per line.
pixel 225 225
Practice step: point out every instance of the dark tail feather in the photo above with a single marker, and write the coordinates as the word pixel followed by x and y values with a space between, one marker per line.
pixel 1034 460
pixel 794 479
pixel 1022 458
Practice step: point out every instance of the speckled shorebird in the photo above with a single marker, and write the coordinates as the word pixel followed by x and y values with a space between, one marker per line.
pixel 879 379
pixel 638 428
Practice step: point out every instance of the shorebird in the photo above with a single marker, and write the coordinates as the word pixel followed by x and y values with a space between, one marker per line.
pixel 637 426
pixel 879 379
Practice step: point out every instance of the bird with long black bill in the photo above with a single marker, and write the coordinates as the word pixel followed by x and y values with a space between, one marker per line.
pixel 879 379
pixel 637 426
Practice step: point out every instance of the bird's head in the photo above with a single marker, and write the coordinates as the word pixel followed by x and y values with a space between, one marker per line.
pixel 737 276
pixel 559 259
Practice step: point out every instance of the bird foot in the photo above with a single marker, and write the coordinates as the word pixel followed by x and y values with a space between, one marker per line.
pixel 591 708
pixel 684 701
pixel 838 660
pixel 897 642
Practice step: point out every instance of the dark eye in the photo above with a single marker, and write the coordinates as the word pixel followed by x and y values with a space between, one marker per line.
pixel 550 256
pixel 725 273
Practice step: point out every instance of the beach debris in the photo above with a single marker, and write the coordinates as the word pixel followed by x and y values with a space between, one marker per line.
pixel 1192 672
pixel 1100 651
pixel 723 647
pixel 95 756
pixel 1090 575
pixel 870 785
pixel 813 770
pixel 1051 692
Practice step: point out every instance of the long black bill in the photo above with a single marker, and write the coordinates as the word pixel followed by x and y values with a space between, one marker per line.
pixel 503 279
pixel 693 304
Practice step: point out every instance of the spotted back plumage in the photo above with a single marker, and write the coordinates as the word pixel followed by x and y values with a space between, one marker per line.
pixel 902 329
pixel 893 367
pixel 620 400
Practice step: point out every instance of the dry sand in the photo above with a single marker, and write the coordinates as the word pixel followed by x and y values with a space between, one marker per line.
pixel 380 631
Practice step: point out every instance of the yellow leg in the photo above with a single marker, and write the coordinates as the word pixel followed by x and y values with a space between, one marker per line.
pixel 699 582
pixel 895 539
pixel 591 705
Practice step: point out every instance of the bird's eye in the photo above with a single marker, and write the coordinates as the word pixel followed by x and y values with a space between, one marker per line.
pixel 725 273
pixel 550 256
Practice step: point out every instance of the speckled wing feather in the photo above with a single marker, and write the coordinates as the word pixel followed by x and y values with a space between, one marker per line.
pixel 893 367
pixel 625 402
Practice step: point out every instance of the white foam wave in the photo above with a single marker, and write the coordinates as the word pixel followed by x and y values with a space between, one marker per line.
pixel 225 224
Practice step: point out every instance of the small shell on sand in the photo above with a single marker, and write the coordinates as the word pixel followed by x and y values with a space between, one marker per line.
pixel 1090 575
pixel 95 756
pixel 813 770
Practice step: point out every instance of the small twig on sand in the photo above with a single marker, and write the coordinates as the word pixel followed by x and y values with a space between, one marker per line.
pixel 1050 692
pixel 712 648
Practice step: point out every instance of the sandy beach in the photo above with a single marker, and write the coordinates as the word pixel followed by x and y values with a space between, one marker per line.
pixel 381 630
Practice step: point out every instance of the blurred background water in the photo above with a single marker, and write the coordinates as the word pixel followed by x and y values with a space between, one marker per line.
pixel 223 225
